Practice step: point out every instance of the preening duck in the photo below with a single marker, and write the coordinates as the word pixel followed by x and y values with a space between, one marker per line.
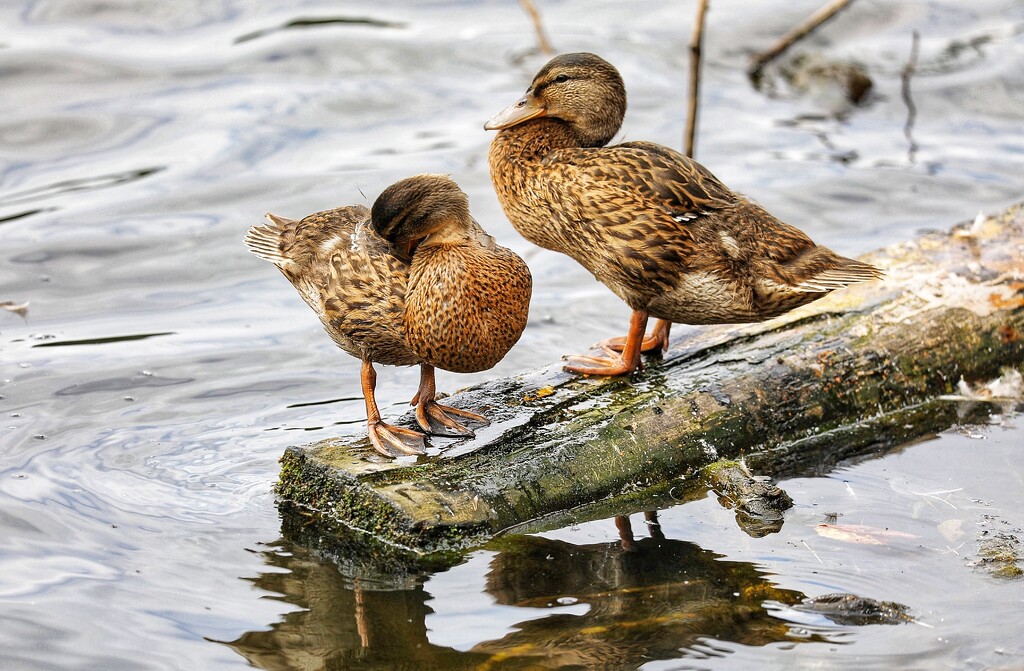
pixel 414 280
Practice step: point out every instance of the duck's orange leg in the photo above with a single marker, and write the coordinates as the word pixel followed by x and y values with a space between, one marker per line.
pixel 389 440
pixel 615 363
pixel 435 418
pixel 657 340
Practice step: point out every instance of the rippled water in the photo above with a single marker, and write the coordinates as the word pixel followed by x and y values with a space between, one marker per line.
pixel 161 370
pixel 693 591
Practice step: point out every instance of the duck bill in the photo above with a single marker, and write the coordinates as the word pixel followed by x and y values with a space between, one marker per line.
pixel 403 250
pixel 523 109
pixel 406 248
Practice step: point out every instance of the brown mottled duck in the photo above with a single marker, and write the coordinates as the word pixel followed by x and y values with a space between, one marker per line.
pixel 662 232
pixel 414 280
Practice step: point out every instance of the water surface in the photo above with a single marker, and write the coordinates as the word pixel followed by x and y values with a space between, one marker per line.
pixel 161 369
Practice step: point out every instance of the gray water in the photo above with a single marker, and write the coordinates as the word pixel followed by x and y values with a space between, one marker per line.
pixel 161 370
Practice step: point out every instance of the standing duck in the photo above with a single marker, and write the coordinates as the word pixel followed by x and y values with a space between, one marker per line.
pixel 414 280
pixel 663 233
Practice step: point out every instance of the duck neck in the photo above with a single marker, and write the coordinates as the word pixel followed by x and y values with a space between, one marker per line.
pixel 518 172
pixel 533 140
pixel 456 231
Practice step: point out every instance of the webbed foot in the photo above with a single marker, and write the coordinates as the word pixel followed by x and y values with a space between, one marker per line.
pixel 438 420
pixel 614 362
pixel 394 441
pixel 656 340
pixel 607 366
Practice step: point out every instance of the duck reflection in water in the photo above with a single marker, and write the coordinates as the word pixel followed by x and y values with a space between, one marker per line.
pixel 647 598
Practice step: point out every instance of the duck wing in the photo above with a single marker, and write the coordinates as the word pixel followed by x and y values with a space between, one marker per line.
pixel 669 214
pixel 642 175
pixel 636 215
pixel 347 274
pixel 291 244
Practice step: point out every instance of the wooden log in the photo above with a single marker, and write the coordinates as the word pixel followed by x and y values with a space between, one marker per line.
pixel 787 394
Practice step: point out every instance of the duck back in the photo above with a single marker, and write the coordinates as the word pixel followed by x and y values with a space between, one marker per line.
pixel 346 273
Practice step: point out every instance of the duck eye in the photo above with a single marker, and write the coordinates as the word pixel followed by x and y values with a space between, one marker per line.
pixel 561 78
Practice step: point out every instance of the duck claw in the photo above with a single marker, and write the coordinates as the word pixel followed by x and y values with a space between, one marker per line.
pixel 438 420
pixel 605 366
pixel 650 343
pixel 656 340
pixel 394 441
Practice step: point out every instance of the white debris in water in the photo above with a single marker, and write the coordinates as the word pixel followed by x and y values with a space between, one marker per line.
pixel 20 309
pixel 1008 387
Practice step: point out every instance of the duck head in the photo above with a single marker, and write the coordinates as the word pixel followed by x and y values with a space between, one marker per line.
pixel 412 209
pixel 583 90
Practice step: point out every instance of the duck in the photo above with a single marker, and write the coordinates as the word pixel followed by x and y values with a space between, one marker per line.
pixel 656 227
pixel 414 280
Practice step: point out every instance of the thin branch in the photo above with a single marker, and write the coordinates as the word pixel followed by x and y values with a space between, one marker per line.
pixel 538 25
pixel 908 72
pixel 813 552
pixel 801 31
pixel 935 495
pixel 696 43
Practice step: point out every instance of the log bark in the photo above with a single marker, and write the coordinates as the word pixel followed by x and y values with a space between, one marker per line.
pixel 859 367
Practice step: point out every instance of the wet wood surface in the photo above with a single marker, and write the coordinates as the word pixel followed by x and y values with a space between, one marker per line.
pixel 787 395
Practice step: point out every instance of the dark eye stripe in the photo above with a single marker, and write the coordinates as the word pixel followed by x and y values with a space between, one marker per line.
pixel 557 80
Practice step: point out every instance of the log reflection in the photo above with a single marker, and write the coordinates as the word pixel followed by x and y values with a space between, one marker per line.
pixel 647 597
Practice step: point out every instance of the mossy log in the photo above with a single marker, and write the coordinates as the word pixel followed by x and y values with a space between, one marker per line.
pixel 777 393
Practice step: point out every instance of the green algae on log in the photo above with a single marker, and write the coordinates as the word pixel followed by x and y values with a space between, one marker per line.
pixel 949 308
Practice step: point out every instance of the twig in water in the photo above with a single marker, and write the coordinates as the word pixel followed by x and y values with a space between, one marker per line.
pixel 935 495
pixel 795 35
pixel 538 25
pixel 695 50
pixel 908 72
pixel 949 550
pixel 664 326
pixel 813 552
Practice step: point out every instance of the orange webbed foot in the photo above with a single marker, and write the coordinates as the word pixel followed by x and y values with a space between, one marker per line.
pixel 656 340
pixel 608 366
pixel 394 441
pixel 438 420
pixel 614 362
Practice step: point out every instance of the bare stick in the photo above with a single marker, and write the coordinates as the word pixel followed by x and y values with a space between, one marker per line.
pixel 908 72
pixel 696 43
pixel 801 31
pixel 542 39
pixel 695 50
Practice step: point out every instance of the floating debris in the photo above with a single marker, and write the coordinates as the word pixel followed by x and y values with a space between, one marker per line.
pixel 850 609
pixel 20 309
pixel 1007 387
pixel 859 533
pixel 759 503
pixel 1000 555
pixel 814 75
pixel 316 22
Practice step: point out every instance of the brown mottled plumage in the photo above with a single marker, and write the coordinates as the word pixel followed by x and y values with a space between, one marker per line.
pixel 656 227
pixel 414 280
